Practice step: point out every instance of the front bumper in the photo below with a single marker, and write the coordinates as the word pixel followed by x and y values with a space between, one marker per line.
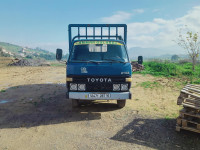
pixel 113 95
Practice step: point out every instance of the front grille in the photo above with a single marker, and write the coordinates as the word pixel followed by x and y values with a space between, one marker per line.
pixel 98 86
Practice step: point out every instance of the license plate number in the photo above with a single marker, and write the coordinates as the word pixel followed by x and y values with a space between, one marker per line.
pixel 98 95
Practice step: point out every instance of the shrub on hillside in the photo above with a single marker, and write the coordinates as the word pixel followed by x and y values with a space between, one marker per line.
pixel 159 68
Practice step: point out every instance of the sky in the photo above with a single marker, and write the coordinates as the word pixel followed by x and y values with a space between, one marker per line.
pixel 43 23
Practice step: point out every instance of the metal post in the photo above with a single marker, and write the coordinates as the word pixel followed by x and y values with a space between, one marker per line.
pixel 70 39
pixel 86 31
pixel 101 32
pixel 78 32
pixel 93 32
pixel 116 32
pixel 108 32
pixel 125 34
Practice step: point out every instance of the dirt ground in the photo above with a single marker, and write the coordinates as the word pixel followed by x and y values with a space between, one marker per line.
pixel 34 115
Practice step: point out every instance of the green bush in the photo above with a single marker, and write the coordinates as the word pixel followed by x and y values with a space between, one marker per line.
pixel 161 69
pixel 168 69
pixel 187 72
pixel 197 81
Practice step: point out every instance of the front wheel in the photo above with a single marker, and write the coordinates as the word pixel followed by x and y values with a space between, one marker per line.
pixel 121 103
pixel 75 103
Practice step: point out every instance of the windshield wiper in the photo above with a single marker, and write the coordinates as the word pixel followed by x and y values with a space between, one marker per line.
pixel 86 61
pixel 114 60
pixel 93 61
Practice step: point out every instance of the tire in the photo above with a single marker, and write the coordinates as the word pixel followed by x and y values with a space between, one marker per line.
pixel 75 103
pixel 121 103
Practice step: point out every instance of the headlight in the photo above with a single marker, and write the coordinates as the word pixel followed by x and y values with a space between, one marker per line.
pixel 116 87
pixel 124 87
pixel 73 86
pixel 81 87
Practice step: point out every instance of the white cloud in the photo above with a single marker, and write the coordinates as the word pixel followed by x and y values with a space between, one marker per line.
pixel 160 33
pixel 121 16
pixel 156 10
pixel 139 28
pixel 160 21
pixel 139 11
pixel 118 17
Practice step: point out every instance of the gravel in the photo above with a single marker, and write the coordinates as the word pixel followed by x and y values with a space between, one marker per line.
pixel 29 62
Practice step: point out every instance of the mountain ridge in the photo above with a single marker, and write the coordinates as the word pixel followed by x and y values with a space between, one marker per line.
pixel 150 53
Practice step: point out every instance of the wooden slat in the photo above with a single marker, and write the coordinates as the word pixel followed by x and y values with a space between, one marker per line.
pixel 189 114
pixel 183 95
pixel 190 105
pixel 193 85
pixel 192 88
pixel 178 128
pixel 198 126
pixel 178 121
pixel 190 129
pixel 192 100
pixel 180 100
pixel 192 91
pixel 186 92
pixel 184 123
pixel 193 122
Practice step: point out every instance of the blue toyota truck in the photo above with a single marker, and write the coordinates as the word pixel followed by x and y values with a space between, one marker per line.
pixel 98 67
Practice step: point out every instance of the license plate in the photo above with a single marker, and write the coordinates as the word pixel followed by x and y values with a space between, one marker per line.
pixel 98 95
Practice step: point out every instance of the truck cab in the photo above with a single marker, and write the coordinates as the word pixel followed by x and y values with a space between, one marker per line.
pixel 98 67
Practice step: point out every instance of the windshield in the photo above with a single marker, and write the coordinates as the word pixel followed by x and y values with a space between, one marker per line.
pixel 98 51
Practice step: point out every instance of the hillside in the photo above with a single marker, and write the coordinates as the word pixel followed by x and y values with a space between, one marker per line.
pixel 7 49
pixel 149 53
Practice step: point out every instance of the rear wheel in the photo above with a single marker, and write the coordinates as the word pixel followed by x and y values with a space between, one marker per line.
pixel 121 103
pixel 75 103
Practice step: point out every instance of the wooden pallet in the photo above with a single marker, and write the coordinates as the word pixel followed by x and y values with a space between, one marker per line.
pixel 190 96
pixel 189 119
pixel 187 125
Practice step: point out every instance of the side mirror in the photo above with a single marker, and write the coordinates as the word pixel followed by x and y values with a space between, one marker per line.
pixel 140 59
pixel 59 54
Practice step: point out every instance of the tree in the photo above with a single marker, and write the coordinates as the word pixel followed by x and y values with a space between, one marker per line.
pixel 174 58
pixel 190 42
